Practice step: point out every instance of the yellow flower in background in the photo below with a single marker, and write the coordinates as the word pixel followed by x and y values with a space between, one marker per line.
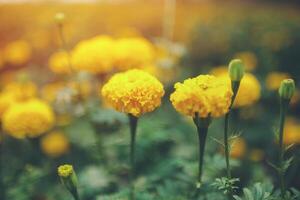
pixel 249 59
pixel 6 100
pixel 28 119
pixel 134 91
pixel 94 55
pixel 21 90
pixel 60 63
pixel 249 91
pixel 238 148
pixel 291 132
pixel 274 79
pixel 133 53
pixel 55 144
pixel 17 52
pixel 205 95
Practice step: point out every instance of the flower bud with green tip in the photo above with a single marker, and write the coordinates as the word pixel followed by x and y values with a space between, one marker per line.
pixel 69 179
pixel 287 89
pixel 236 70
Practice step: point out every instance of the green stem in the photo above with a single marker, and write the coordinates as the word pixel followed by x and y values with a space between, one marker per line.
pixel 133 125
pixel 75 195
pixel 283 110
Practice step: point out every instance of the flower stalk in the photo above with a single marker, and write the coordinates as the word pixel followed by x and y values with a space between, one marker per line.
pixel 202 125
pixel 69 179
pixel 133 126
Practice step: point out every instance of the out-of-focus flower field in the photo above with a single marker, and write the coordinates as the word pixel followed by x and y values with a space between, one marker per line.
pixel 71 73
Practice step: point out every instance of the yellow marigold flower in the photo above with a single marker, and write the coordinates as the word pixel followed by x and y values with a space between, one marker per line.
pixel 6 100
pixel 133 53
pixel 28 119
pixel 134 91
pixel 238 148
pixel 21 90
pixel 274 79
pixel 65 171
pixel 94 55
pixel 55 144
pixel 291 132
pixel 205 95
pixel 17 53
pixel 60 63
pixel 249 59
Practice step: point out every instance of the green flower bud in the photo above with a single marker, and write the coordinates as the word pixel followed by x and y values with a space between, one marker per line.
pixel 236 70
pixel 68 177
pixel 287 89
pixel 59 18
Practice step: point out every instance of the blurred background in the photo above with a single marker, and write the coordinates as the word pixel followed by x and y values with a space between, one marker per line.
pixel 185 38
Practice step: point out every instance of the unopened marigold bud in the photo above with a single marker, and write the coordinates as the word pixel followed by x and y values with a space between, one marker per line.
pixel 68 177
pixel 236 70
pixel 287 89
pixel 59 18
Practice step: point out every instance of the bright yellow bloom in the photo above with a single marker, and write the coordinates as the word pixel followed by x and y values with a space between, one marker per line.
pixel 21 90
pixel 134 91
pixel 17 53
pixel 291 132
pixel 249 91
pixel 60 62
pixel 133 53
pixel 205 95
pixel 238 148
pixel 55 144
pixel 274 79
pixel 94 55
pixel 6 100
pixel 65 171
pixel 249 59
pixel 28 119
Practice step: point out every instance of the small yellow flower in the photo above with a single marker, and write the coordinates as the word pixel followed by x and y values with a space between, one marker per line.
pixel 65 171
pixel 134 91
pixel 238 148
pixel 291 132
pixel 60 62
pixel 17 52
pixel 28 119
pixel 133 53
pixel 95 55
pixel 249 59
pixel 55 144
pixel 274 79
pixel 21 90
pixel 206 95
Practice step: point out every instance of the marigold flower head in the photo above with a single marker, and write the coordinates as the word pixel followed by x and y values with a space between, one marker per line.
pixel 55 144
pixel 134 91
pixel 94 55
pixel 59 63
pixel 133 53
pixel 206 95
pixel 65 171
pixel 17 52
pixel 28 119
pixel 274 79
pixel 21 90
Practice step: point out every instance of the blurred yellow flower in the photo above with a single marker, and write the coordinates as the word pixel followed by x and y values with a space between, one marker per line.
pixel 134 91
pixel 17 52
pixel 60 63
pixel 28 119
pixel 205 95
pixel 249 59
pixel 238 148
pixel 55 144
pixel 21 90
pixel 94 55
pixel 133 53
pixel 6 100
pixel 291 132
pixel 274 79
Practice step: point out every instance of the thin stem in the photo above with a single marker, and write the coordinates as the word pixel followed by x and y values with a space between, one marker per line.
pixel 283 110
pixel 133 125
